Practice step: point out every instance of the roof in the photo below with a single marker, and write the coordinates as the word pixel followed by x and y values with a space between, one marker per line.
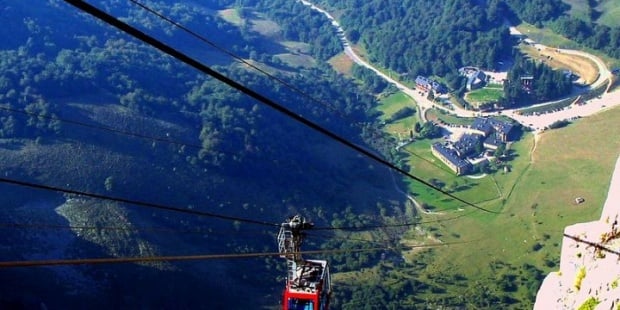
pixel 482 124
pixel 422 80
pixel 466 144
pixel 476 78
pixel 428 82
pixel 493 140
pixel 450 155
pixel 309 276
pixel 487 125
pixel 501 126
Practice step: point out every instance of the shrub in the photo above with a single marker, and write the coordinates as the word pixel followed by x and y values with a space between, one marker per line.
pixel 579 278
pixel 589 304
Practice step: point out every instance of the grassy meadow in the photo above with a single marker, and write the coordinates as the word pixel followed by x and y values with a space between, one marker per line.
pixel 292 53
pixel 342 64
pixel 232 16
pixel 434 114
pixel 490 93
pixel 390 105
pixel 610 13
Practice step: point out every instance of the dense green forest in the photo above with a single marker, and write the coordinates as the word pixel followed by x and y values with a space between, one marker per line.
pixel 425 37
pixel 228 121
pixel 536 11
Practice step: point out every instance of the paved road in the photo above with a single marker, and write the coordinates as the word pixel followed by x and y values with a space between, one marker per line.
pixel 421 100
pixel 538 122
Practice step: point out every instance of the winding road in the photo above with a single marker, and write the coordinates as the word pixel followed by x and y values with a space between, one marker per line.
pixel 421 100
pixel 537 122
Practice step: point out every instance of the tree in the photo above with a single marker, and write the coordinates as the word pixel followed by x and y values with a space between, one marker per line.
pixel 499 152
pixel 353 35
pixel 431 95
pixel 507 283
pixel 430 130
pixel 444 42
pixel 544 84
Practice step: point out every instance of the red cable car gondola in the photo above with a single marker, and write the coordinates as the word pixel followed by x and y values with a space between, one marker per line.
pixel 308 282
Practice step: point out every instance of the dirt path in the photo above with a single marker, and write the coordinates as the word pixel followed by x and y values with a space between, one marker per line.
pixel 537 137
pixel 415 203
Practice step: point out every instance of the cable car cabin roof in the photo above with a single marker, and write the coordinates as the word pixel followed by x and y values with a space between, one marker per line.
pixel 309 277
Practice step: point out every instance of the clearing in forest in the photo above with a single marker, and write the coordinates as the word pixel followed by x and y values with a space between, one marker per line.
pixel 585 68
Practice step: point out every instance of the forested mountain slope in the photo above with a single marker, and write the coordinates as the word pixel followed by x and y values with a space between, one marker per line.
pixel 87 108
pixel 426 37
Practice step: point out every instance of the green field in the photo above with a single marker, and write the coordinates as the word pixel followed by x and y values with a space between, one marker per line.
pixel 298 47
pixel 491 93
pixel 433 114
pixel 390 105
pixel 610 13
pixel 394 102
pixel 425 166
pixel 579 8
pixel 297 61
pixel 546 37
pixel 293 54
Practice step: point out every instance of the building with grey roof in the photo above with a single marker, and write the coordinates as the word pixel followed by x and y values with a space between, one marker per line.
pixel 451 159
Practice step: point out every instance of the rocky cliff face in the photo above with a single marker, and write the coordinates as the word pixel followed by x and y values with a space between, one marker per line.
pixel 107 225
pixel 589 277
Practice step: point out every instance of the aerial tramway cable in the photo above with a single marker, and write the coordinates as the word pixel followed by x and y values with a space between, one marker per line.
pixel 135 202
pixel 593 244
pixel 88 8
pixel 100 127
pixel 269 75
pixel 178 258
pixel 137 229
pixel 239 59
